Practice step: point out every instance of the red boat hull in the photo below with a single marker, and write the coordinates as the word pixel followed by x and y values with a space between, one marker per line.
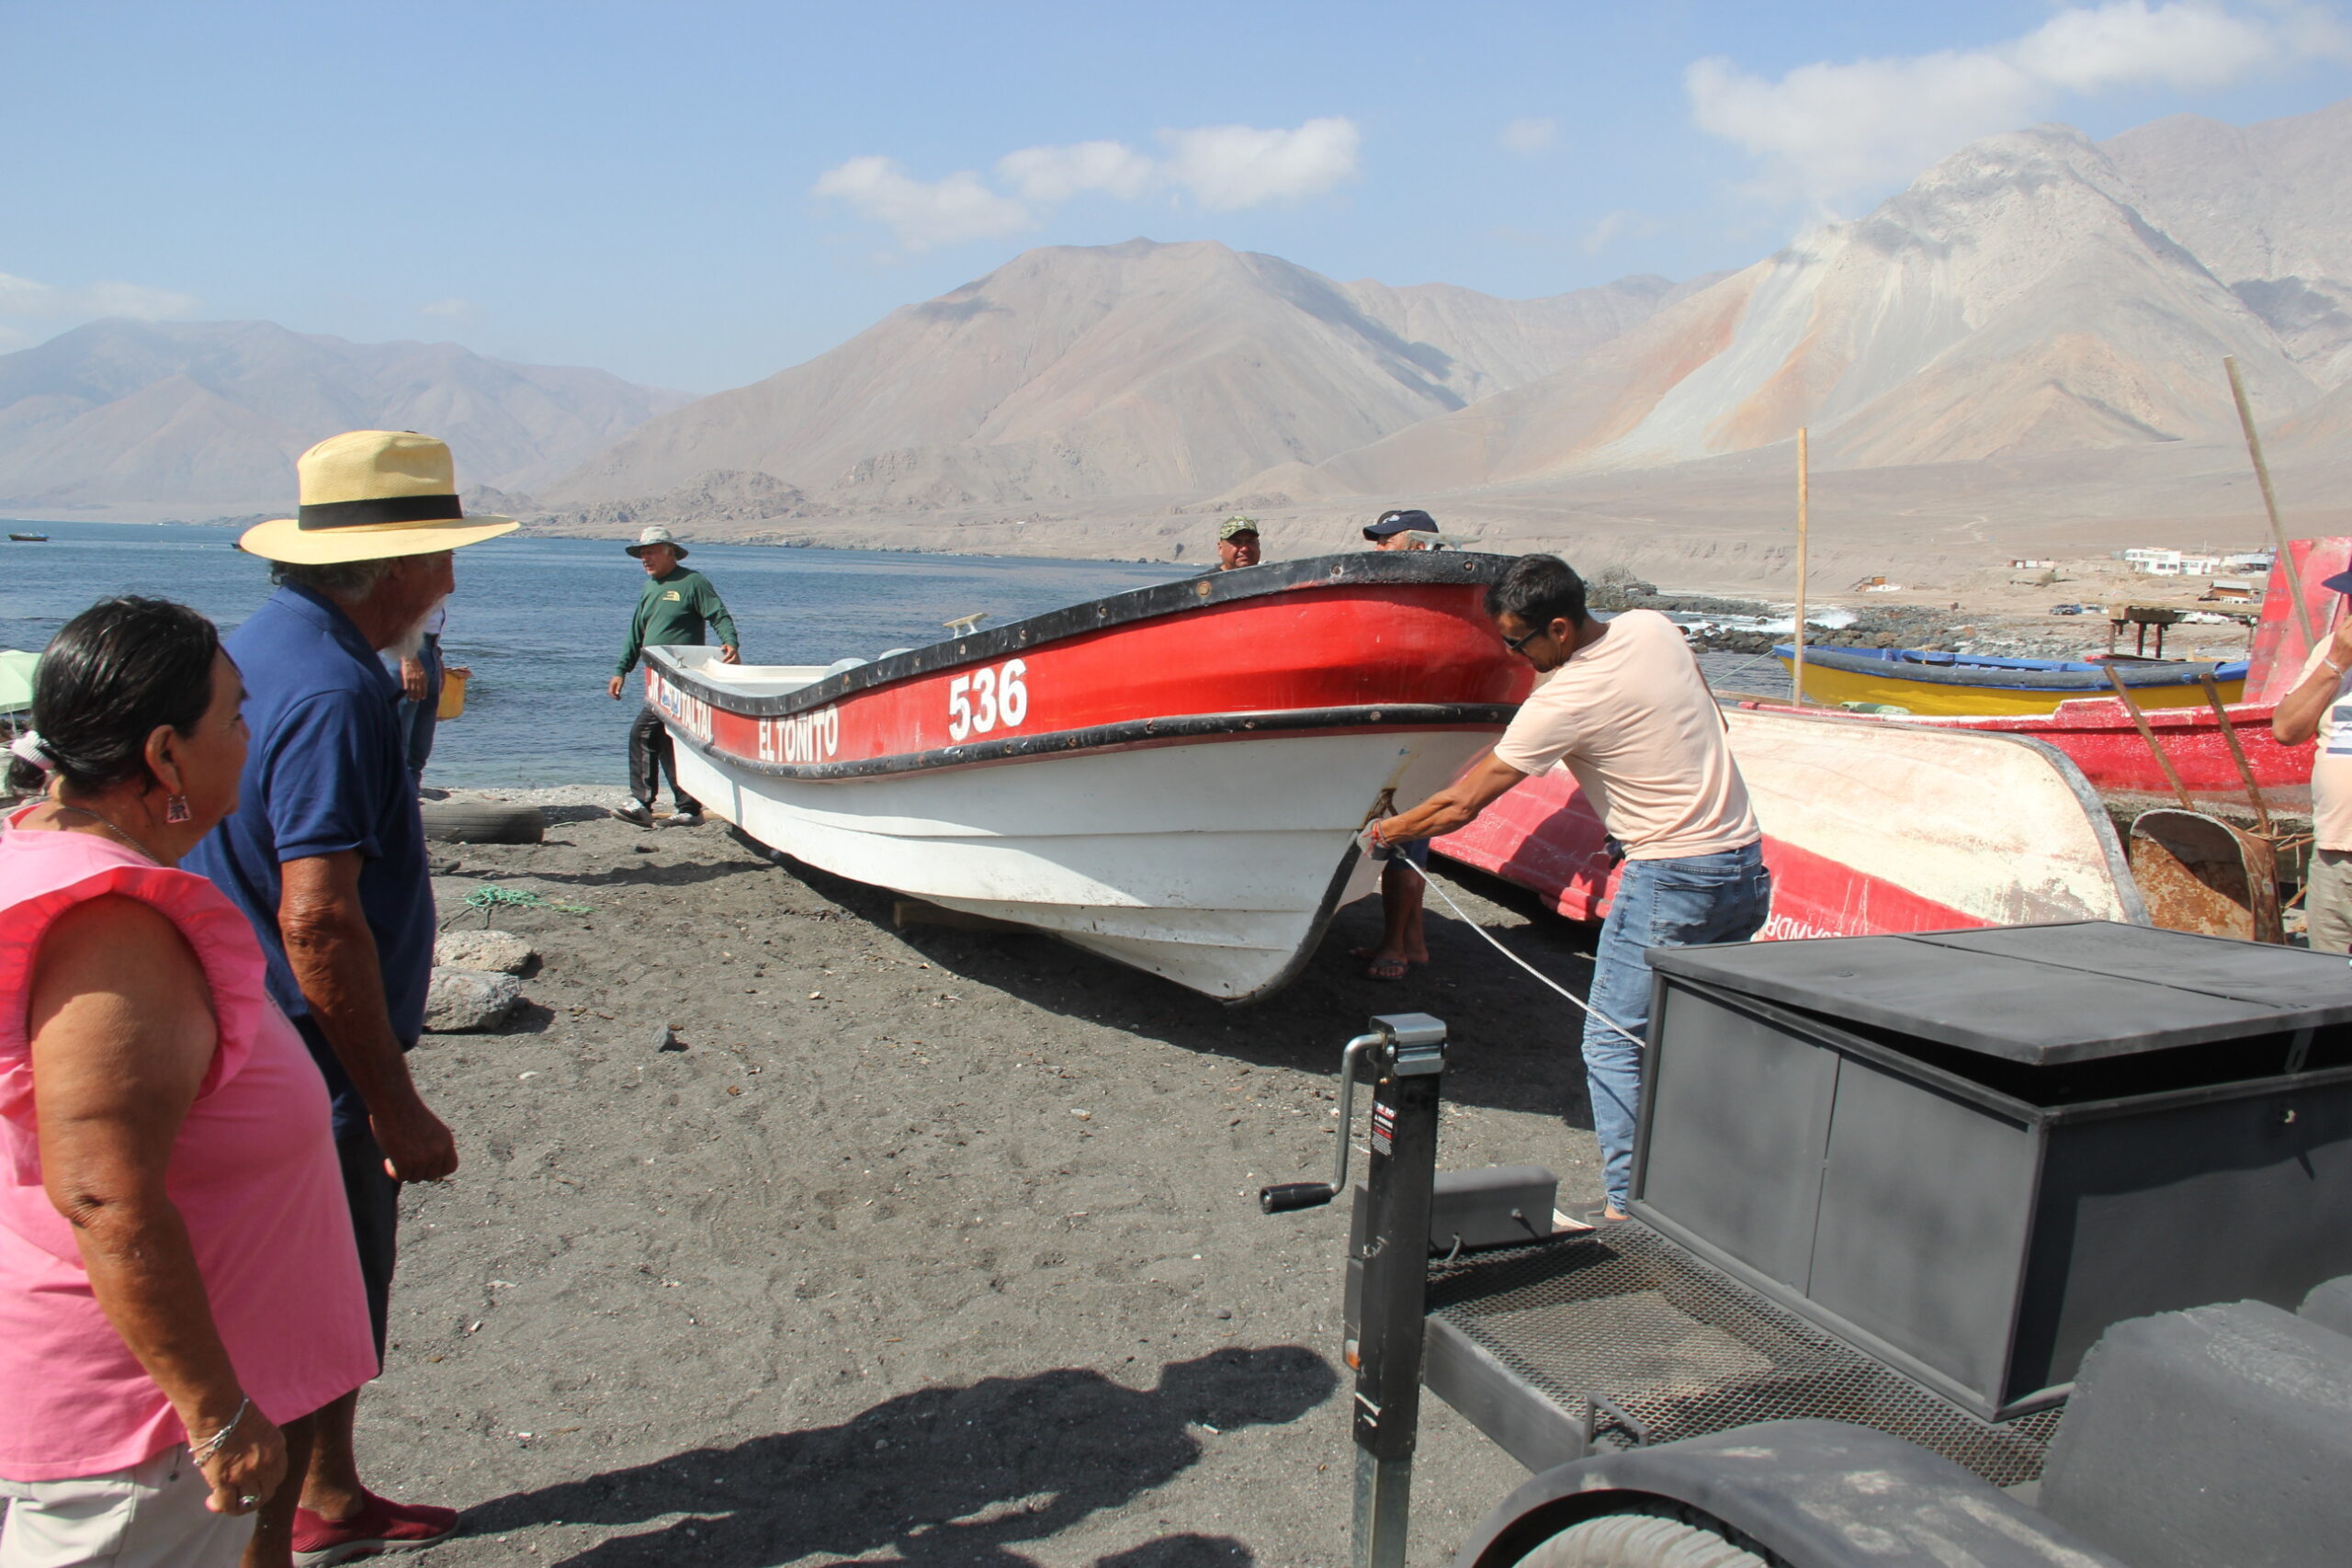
pixel 1868 829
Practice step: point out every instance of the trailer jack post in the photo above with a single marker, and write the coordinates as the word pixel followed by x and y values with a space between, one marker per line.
pixel 1407 1052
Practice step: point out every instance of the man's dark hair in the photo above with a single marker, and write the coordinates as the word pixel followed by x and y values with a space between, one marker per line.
pixel 109 677
pixel 1537 590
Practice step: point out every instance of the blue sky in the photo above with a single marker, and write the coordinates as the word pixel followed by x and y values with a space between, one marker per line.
pixel 696 196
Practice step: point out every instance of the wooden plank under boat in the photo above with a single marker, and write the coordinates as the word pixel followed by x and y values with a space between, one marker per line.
pixel 1867 829
pixel 1926 682
pixel 1172 777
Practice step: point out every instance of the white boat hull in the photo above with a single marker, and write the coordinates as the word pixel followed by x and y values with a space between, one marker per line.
pixel 1216 865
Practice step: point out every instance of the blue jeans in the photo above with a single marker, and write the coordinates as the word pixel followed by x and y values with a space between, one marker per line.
pixel 417 716
pixel 1660 903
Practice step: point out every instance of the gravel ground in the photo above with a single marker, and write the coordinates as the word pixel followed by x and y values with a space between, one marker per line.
pixel 932 1247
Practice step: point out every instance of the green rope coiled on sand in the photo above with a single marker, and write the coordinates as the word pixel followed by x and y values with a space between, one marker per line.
pixel 489 898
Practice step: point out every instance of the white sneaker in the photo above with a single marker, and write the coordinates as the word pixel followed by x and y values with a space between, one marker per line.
pixel 635 811
pixel 686 819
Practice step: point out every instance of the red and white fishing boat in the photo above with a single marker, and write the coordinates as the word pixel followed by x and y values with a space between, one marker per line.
pixel 1867 829
pixel 1172 777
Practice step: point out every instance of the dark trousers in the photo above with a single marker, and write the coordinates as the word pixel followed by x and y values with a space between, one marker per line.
pixel 650 754
pixel 375 1200
pixel 417 717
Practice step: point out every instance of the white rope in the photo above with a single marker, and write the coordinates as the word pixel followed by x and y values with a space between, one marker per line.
pixel 1433 885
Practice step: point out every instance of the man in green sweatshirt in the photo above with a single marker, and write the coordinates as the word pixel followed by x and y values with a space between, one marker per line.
pixel 670 613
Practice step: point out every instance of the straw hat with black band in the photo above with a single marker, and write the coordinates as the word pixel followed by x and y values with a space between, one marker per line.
pixel 372 495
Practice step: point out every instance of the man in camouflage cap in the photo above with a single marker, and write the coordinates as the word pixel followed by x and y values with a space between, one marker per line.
pixel 1236 543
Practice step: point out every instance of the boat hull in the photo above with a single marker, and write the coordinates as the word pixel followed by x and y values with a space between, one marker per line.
pixel 1217 865
pixel 1869 828
pixel 1172 778
pixel 1833 676
pixel 2100 737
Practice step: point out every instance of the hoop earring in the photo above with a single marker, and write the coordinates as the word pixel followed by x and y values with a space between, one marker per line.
pixel 176 810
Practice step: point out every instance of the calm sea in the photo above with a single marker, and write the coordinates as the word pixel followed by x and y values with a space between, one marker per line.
pixel 541 621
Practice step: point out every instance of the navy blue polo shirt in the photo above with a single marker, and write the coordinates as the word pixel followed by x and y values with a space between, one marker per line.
pixel 327 772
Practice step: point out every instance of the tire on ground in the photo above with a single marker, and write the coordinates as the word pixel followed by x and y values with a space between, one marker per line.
pixel 1638 1541
pixel 471 822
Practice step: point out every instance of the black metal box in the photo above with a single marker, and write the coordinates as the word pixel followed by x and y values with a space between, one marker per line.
pixel 1970 1152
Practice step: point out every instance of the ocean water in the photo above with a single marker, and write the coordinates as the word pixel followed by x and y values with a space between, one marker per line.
pixel 541 621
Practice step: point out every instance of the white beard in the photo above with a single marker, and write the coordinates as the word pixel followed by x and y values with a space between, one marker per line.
pixel 412 642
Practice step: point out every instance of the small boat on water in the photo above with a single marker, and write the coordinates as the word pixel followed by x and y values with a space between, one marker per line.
pixel 1929 683
pixel 1172 777
pixel 30 538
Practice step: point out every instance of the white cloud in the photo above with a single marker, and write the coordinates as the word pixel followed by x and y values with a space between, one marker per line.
pixel 452 310
pixel 1828 129
pixel 1232 167
pixel 1530 133
pixel 1222 167
pixel 922 214
pixel 1050 176
pixel 22 298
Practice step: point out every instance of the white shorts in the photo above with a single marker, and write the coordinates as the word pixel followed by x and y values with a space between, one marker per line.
pixel 149 1515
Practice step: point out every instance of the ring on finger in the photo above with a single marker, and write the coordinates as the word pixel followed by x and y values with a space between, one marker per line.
pixel 248 1501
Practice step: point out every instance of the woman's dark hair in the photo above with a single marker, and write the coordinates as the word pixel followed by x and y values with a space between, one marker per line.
pixel 1538 590
pixel 107 679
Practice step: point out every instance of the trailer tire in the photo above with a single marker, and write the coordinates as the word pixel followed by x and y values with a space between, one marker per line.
pixel 1638 1541
pixel 485 822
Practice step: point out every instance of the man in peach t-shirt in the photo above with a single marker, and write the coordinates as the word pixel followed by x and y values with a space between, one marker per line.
pixel 1628 713
pixel 2321 706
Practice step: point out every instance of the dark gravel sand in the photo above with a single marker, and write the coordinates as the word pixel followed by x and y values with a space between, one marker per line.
pixel 935 1247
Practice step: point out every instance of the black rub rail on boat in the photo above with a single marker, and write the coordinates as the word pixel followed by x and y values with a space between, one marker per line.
pixel 1370 568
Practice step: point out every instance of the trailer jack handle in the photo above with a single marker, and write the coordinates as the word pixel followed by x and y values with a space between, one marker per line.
pixel 1283 1197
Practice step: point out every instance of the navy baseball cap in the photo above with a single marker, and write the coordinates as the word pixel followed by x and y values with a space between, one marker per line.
pixel 1391 523
pixel 2341 582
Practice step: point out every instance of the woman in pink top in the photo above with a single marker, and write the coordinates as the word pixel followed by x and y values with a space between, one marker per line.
pixel 178 1286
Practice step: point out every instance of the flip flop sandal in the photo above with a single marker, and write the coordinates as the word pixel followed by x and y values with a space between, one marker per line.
pixel 1388 969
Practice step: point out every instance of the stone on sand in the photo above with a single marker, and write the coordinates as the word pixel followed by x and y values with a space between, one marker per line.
pixel 465 1001
pixel 503 953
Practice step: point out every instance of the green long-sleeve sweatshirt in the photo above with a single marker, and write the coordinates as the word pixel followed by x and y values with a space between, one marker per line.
pixel 672 613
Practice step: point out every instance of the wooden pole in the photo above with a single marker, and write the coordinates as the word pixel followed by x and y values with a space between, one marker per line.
pixel 1804 500
pixel 2270 502
pixel 2171 775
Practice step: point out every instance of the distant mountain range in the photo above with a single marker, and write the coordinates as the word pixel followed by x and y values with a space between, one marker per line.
pixel 209 415
pixel 2033 298
pixel 1138 369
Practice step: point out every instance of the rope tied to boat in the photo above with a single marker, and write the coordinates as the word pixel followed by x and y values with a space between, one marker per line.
pixel 486 899
pixel 1434 886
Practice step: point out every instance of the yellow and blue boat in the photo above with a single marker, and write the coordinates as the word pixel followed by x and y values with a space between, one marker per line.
pixel 1929 683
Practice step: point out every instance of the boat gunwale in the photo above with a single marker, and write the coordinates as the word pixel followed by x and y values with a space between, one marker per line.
pixel 1128 735
pixel 1366 569
pixel 2090 679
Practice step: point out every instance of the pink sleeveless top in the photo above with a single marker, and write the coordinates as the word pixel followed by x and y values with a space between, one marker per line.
pixel 252 1174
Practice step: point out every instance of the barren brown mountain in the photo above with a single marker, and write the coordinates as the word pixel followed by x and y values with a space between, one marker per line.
pixel 1138 369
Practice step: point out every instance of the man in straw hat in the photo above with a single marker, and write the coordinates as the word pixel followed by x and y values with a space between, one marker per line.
pixel 672 613
pixel 325 854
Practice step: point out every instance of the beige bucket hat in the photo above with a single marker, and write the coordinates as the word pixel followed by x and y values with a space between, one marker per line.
pixel 371 495
pixel 657 534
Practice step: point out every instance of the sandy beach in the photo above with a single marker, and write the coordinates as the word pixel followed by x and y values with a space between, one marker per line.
pixel 932 1246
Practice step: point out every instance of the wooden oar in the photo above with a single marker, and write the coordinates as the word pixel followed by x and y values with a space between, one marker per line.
pixel 1803 498
pixel 2123 694
pixel 2237 754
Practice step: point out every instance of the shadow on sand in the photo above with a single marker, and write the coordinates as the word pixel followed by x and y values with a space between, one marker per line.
pixel 1522 1053
pixel 946 1477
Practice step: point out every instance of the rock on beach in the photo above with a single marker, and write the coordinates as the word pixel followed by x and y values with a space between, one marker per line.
pixel 467 1001
pixel 501 953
